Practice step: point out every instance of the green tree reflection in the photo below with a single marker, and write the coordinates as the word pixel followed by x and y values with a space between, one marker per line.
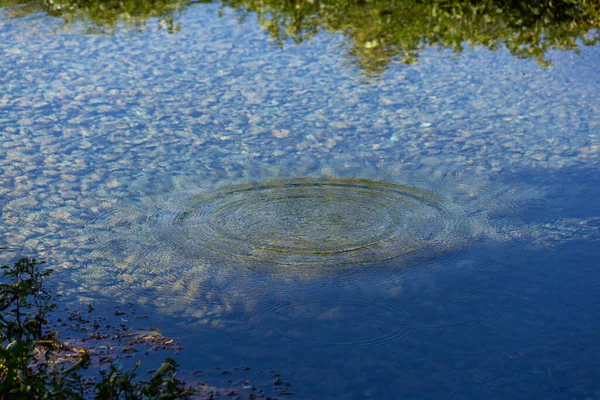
pixel 103 16
pixel 377 31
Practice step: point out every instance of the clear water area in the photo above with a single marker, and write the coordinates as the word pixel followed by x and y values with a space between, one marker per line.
pixel 491 321
pixel 520 333
pixel 115 149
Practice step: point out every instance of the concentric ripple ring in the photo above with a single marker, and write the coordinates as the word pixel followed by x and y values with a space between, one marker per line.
pixel 318 221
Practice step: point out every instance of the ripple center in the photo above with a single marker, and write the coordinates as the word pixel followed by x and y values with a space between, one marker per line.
pixel 312 221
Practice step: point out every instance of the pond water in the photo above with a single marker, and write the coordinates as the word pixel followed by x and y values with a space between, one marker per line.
pixel 431 230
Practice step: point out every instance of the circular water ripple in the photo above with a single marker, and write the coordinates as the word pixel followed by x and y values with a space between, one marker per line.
pixel 219 252
pixel 319 222
pixel 336 323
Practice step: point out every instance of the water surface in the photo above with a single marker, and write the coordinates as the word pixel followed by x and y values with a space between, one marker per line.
pixel 415 231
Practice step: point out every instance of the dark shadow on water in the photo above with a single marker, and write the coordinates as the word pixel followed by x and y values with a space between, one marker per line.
pixel 541 341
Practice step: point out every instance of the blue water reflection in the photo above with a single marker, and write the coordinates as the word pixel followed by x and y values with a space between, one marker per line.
pixel 109 143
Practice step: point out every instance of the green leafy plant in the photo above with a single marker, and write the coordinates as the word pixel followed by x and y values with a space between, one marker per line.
pixel 116 384
pixel 24 301
pixel 25 304
pixel 35 364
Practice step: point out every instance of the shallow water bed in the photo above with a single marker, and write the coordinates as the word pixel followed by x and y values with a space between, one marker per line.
pixel 428 232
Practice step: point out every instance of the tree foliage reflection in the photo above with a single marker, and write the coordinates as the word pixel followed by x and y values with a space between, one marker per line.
pixel 377 31
pixel 103 16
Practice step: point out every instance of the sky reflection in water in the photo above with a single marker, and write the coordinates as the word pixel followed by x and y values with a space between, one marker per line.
pixel 106 139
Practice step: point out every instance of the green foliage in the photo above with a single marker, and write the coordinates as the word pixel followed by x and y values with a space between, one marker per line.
pixel 116 384
pixel 26 300
pixel 31 366
pixel 104 16
pixel 25 304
